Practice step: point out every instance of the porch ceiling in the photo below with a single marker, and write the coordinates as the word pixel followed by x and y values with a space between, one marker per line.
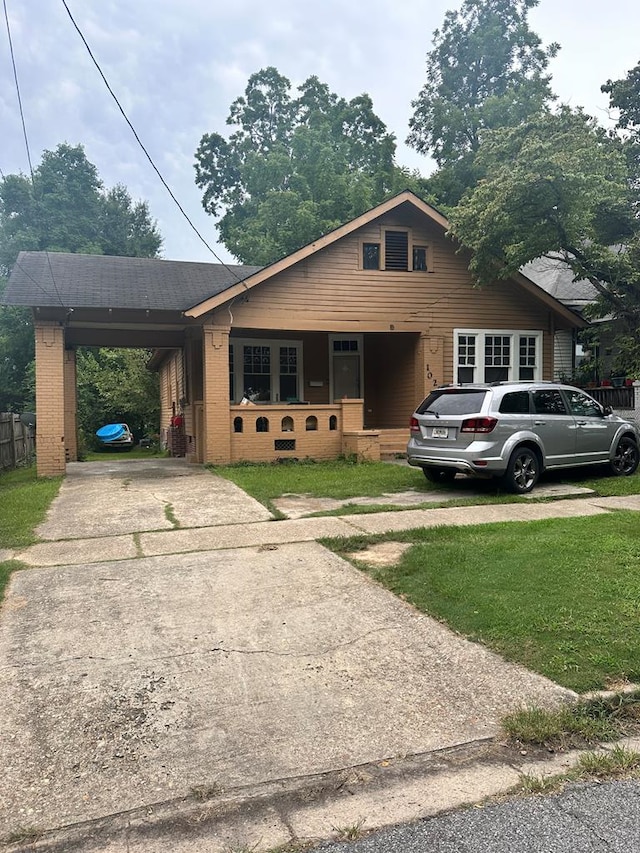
pixel 119 327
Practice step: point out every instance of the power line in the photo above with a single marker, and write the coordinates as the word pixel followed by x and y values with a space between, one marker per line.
pixel 139 141
pixel 26 144
pixel 15 77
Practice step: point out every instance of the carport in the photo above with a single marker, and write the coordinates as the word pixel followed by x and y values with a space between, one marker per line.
pixel 102 301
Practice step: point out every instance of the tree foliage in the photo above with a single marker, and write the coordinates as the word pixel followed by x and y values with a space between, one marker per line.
pixel 62 207
pixel 486 70
pixel 295 167
pixel 114 386
pixel 557 186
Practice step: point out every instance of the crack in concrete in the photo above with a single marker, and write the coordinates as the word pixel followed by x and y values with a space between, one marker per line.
pixel 213 650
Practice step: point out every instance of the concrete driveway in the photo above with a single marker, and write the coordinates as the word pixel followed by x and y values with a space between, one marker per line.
pixel 132 683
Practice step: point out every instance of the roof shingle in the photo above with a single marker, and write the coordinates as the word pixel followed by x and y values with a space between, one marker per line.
pixel 56 279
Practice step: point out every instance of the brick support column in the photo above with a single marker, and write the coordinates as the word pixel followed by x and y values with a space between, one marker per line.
pixel 215 382
pixel 70 406
pixel 352 414
pixel 50 399
pixel 429 365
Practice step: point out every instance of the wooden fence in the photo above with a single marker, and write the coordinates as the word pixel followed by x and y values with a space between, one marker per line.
pixel 16 442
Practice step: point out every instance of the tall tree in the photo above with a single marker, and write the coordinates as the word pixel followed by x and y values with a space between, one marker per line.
pixel 558 186
pixel 65 208
pixel 295 167
pixel 486 70
pixel 62 207
pixel 624 97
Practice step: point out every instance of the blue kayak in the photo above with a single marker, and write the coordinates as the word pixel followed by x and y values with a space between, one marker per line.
pixel 110 432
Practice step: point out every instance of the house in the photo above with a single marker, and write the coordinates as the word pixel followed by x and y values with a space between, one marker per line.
pixel 324 352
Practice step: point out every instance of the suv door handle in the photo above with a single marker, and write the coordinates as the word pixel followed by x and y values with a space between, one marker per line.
pixel 581 423
pixel 539 423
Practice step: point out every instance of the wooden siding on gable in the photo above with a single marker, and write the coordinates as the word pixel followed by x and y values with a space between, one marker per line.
pixel 329 291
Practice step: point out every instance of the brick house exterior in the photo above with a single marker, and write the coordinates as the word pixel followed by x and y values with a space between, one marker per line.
pixel 324 352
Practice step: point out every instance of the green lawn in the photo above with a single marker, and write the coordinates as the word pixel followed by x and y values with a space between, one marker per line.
pixel 343 479
pixel 560 596
pixel 24 500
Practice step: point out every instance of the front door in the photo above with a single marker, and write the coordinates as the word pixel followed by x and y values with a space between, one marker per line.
pixel 346 366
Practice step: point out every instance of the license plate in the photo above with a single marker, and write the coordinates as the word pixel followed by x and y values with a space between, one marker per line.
pixel 440 432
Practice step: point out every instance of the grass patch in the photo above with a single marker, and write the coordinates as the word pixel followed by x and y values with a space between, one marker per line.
pixel 343 479
pixel 616 762
pixel 560 596
pixel 594 721
pixel 24 500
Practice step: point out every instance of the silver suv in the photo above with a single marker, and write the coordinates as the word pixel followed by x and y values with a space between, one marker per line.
pixel 516 430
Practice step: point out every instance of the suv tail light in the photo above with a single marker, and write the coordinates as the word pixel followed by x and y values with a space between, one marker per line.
pixel 478 425
pixel 414 426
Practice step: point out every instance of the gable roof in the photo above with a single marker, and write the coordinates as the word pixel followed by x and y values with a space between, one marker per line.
pixel 63 279
pixel 405 197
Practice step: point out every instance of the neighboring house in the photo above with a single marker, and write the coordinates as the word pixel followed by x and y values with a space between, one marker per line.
pixel 554 276
pixel 332 346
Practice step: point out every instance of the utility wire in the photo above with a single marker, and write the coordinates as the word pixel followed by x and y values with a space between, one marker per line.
pixel 15 77
pixel 26 144
pixel 139 141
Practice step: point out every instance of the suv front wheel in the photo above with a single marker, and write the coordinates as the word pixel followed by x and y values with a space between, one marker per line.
pixel 626 457
pixel 522 471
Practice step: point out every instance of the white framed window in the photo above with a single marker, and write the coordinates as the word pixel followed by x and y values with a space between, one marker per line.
pixel 265 371
pixel 497 355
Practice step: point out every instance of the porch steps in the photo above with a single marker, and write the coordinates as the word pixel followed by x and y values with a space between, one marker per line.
pixel 393 442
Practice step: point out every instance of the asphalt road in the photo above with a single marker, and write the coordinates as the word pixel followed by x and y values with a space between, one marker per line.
pixel 585 818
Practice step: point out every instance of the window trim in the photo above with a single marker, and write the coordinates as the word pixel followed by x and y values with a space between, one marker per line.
pixel 514 352
pixel 274 344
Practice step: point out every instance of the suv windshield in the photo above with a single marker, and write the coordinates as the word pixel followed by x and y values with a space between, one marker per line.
pixel 453 401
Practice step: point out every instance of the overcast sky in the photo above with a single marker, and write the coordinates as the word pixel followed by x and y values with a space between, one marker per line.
pixel 176 66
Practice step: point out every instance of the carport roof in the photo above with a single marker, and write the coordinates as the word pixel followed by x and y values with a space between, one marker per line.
pixel 61 279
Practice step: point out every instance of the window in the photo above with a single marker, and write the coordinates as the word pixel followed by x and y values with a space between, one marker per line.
pixel 582 405
pixel 371 256
pixel 311 423
pixel 496 355
pixel 515 403
pixel 527 357
pixel 265 371
pixel 256 374
pixel 466 358
pixel 420 259
pixel 237 424
pixel 497 358
pixel 262 424
pixel 549 403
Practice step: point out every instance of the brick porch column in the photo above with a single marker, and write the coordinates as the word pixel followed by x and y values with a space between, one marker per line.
pixel 50 399
pixel 429 365
pixel 70 406
pixel 215 388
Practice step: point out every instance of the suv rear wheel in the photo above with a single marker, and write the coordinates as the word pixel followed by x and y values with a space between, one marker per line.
pixel 626 457
pixel 522 471
pixel 439 475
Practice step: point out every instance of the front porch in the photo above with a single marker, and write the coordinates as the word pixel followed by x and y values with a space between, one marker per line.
pixel 269 395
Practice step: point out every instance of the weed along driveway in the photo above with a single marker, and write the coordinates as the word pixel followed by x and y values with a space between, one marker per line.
pixel 134 681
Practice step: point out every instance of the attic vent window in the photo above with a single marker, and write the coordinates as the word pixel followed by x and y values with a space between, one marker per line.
pixel 371 256
pixel 396 250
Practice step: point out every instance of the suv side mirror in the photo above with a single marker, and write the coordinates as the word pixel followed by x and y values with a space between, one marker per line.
pixel 607 410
